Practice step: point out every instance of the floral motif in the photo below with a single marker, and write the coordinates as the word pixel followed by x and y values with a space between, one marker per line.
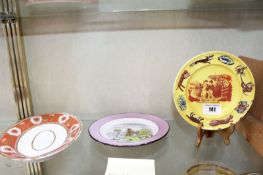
pixel 14 131
pixel 63 118
pixel 36 120
pixel 74 128
pixel 181 102
pixel 241 70
pixel 246 87
pixel 242 107
pixel 226 60
pixel 7 149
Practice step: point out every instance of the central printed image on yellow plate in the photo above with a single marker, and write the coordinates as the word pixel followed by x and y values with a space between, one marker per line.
pixel 214 89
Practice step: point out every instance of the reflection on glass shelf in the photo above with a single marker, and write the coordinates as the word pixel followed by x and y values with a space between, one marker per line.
pixel 173 154
pixel 34 8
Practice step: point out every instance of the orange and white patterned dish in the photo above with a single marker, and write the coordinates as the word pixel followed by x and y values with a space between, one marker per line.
pixel 214 90
pixel 37 138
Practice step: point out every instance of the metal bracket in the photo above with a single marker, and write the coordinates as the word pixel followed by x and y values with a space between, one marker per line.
pixel 7 17
pixel 2 17
pixel 11 26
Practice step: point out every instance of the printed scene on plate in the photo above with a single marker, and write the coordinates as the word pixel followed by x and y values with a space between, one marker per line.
pixel 214 89
pixel 131 132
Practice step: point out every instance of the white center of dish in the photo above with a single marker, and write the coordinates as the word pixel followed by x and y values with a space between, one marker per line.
pixel 42 139
pixel 49 137
pixel 135 124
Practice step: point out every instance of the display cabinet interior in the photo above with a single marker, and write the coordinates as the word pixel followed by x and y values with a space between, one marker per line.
pixel 99 58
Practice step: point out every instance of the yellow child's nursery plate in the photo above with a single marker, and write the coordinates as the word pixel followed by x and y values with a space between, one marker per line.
pixel 214 89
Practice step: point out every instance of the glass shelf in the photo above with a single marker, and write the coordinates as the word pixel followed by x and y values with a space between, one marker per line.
pixel 102 6
pixel 115 15
pixel 172 154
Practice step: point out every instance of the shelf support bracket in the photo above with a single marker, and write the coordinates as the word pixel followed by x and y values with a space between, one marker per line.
pixel 9 17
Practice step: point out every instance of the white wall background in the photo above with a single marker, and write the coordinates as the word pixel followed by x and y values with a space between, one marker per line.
pixel 101 73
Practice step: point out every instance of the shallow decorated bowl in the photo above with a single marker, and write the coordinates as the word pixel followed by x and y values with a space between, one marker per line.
pixel 37 138
pixel 209 168
pixel 129 129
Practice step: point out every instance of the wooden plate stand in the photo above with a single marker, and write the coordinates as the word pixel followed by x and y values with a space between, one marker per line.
pixel 224 133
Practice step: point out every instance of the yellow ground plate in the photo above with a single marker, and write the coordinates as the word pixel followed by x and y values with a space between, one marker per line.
pixel 214 89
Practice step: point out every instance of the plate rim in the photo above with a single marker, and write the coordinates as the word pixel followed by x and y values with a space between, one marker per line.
pixel 212 163
pixel 104 120
pixel 188 63
pixel 50 154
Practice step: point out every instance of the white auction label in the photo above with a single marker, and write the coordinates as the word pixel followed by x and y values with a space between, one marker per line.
pixel 124 166
pixel 212 109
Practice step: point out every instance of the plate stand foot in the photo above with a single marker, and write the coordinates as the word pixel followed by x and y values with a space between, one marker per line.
pixel 224 133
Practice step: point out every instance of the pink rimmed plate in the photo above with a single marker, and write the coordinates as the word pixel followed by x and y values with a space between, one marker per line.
pixel 37 138
pixel 129 129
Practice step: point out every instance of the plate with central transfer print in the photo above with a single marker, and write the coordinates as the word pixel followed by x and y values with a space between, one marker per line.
pixel 214 89
pixel 129 129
